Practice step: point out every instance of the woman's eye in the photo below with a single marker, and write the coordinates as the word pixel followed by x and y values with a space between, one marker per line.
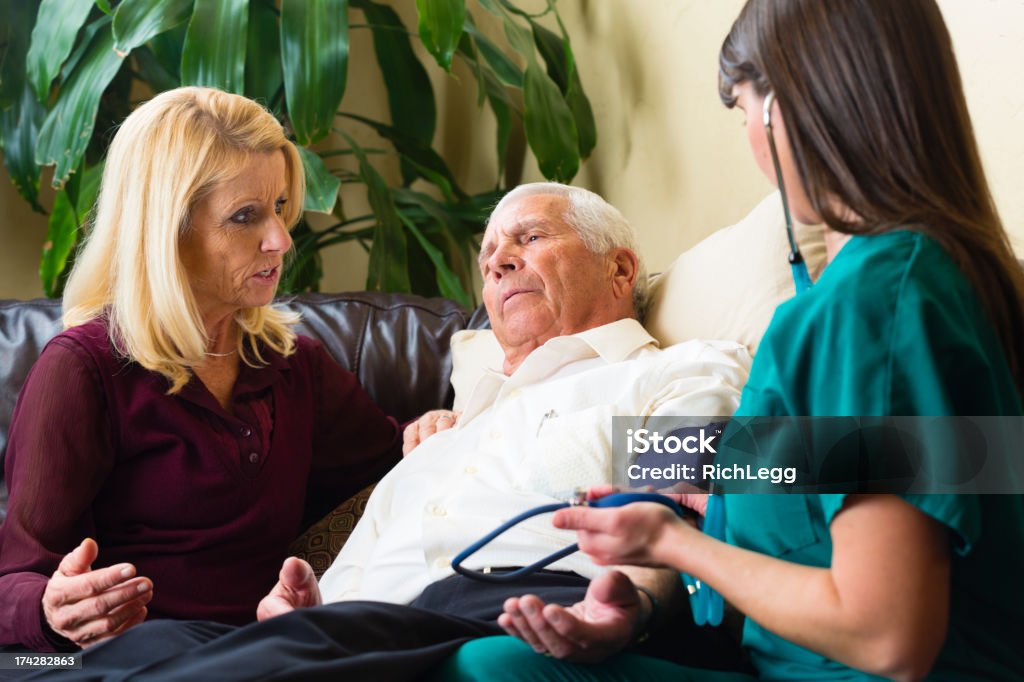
pixel 242 217
pixel 279 206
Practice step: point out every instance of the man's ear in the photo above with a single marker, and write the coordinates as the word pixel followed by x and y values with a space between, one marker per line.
pixel 625 266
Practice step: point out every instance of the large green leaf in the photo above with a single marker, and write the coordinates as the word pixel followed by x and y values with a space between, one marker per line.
pixel 498 100
pixel 445 225
pixel 549 125
pixel 52 40
pixel 19 130
pixel 504 68
pixel 263 76
pixel 314 56
pixel 303 267
pixel 493 91
pixel 104 6
pixel 153 71
pixel 447 282
pixel 20 112
pixel 389 266
pixel 519 38
pixel 410 94
pixel 441 24
pixel 69 215
pixel 68 127
pixel 427 162
pixel 558 56
pixel 137 21
pixel 215 43
pixel 167 49
pixel 321 185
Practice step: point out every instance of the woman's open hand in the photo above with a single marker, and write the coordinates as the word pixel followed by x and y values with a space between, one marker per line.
pixel 88 606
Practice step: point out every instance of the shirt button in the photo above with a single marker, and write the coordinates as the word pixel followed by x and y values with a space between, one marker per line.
pixel 442 562
pixel 471 470
pixel 437 510
pixel 254 457
pixel 245 431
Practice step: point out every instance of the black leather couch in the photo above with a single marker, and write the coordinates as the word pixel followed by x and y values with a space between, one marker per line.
pixel 397 344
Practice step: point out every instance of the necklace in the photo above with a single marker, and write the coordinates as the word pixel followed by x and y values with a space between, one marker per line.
pixel 221 355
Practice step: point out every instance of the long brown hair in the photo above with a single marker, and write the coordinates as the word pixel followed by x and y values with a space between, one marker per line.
pixel 875 113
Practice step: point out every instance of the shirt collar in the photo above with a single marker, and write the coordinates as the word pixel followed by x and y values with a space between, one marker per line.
pixel 613 342
pixel 616 341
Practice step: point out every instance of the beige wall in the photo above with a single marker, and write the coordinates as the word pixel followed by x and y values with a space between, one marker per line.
pixel 669 155
pixel 675 161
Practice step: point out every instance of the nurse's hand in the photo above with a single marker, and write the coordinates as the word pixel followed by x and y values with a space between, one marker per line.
pixel 608 619
pixel 685 495
pixel 88 606
pixel 296 588
pixel 638 534
pixel 426 426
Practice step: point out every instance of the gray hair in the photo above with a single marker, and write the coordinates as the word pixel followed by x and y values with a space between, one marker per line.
pixel 599 225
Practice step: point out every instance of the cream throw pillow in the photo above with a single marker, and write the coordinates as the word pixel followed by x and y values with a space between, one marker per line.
pixel 724 288
pixel 728 285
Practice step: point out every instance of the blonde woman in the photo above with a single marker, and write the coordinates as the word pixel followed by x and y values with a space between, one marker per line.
pixel 167 442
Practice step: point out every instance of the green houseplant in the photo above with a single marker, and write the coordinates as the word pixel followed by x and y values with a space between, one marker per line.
pixel 68 68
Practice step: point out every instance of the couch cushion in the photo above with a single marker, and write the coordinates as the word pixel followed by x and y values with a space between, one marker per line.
pixel 396 344
pixel 25 327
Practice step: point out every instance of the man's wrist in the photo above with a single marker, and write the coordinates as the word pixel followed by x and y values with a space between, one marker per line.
pixel 645 623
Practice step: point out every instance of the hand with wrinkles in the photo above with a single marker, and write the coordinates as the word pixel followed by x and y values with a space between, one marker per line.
pixel 609 618
pixel 88 606
pixel 426 426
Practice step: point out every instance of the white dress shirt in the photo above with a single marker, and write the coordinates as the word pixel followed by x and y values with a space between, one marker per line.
pixel 525 440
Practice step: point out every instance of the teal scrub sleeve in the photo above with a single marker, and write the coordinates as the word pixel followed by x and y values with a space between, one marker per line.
pixel 960 513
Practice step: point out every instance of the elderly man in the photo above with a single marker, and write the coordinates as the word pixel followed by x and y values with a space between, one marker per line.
pixel 562 286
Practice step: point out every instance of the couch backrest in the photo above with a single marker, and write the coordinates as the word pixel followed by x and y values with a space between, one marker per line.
pixel 396 344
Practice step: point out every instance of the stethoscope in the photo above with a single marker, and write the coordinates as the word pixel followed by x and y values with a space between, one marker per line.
pixel 706 604
pixel 801 278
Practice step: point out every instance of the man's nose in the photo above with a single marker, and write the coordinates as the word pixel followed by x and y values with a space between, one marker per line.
pixel 504 260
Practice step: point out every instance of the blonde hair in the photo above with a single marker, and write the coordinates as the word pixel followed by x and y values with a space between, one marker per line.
pixel 167 155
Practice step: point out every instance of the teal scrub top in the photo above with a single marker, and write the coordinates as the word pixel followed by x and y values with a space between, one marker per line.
pixel 891 328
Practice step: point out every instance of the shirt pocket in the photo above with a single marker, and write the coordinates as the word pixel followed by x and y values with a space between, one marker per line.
pixel 571 450
pixel 778 525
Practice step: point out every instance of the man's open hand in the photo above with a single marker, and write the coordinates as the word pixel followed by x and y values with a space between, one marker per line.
pixel 296 588
pixel 591 630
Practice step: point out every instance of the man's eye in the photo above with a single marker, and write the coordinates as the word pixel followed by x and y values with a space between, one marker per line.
pixel 532 238
pixel 243 216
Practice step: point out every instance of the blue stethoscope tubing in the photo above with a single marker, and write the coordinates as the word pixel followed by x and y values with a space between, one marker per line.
pixel 707 604
pixel 613 500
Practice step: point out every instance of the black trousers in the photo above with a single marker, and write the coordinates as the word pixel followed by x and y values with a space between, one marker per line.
pixel 342 641
pixel 346 641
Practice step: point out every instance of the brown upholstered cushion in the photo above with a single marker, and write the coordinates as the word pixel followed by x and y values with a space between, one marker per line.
pixel 325 538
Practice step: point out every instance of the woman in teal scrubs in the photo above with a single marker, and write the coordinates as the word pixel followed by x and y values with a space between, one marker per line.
pixel 920 311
